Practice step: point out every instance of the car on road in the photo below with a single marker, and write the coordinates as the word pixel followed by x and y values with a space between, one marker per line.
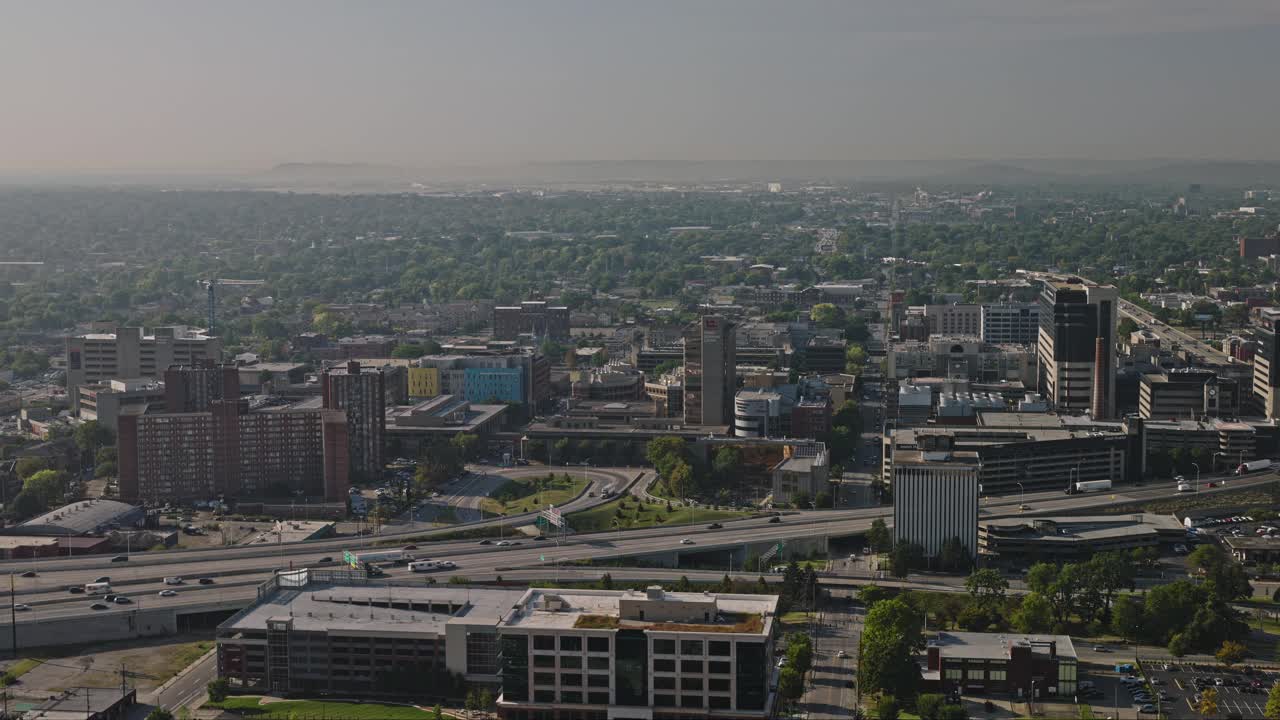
pixel 103 579
pixel 167 593
pixel 174 580
pixel 503 543
pixel 29 573
pixel 486 542
pixel 539 538
pixel 715 526
pixel 21 607
pixel 842 654
pixel 409 547
pixel 325 559
pixel 75 589
pixel 1101 649
pixel 206 581
pixel 686 541
pixel 775 519
pixel 98 606
pixel 122 600
pixel 1147 708
pixel 1023 506
pixel 1211 484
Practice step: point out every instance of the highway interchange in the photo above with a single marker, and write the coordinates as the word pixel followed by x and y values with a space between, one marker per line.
pixel 238 570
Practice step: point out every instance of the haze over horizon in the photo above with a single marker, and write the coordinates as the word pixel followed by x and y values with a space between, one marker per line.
pixel 237 86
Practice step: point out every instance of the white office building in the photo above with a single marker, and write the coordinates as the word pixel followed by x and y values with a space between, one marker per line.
pixel 935 497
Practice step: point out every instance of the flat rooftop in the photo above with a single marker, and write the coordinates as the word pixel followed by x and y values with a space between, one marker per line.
pixel 602 609
pixel 995 646
pixel 1070 528
pixel 383 609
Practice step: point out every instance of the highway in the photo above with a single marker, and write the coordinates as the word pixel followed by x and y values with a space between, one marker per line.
pixel 1168 333
pixel 239 570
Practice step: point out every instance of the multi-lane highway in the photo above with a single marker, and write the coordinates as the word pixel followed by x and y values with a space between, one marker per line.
pixel 237 571
pixel 1199 347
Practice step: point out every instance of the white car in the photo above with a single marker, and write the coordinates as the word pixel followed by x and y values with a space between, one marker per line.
pixel 167 593
pixel 686 541
pixel 502 543
pixel 174 580
pixel 842 654
pixel 22 606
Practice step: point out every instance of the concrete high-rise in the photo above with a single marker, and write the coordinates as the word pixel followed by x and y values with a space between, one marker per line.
pixel 1074 318
pixel 361 393
pixel 193 388
pixel 533 317
pixel 1265 335
pixel 128 353
pixel 710 371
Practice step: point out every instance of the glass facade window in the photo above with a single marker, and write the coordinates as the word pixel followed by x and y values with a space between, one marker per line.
pixel 664 647
pixel 751 675
pixel 691 647
pixel 718 702
pixel 691 701
pixel 1067 678
pixel 598 698
pixel 719 648
pixel 544 661
pixel 598 681
pixel 514 661
pixel 631 668
pixel 953 674
pixel 571 643
pixel 571 679
pixel 661 665
pixel 598 663
pixel 691 666
pixel 597 644
pixel 542 696
pixel 664 682
pixel 691 683
pixel 544 642
pixel 664 700
pixel 719 668
pixel 718 684
pixel 997 675
pixel 544 678
pixel 572 662
pixel 569 697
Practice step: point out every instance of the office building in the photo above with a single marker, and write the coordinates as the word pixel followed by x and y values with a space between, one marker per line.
pixel 757 413
pixel 935 495
pixel 104 402
pixel 955 319
pixel 424 382
pixel 468 375
pixel 128 353
pixel 1076 346
pixel 710 371
pixel 360 393
pixel 598 654
pixel 667 394
pixel 533 317
pixel 1009 664
pixel 1265 334
pixel 1187 393
pixel 412 428
pixel 1011 323
pixel 611 383
pixel 1061 539
pixel 194 388
pixel 1258 247
pixel 811 418
pixel 961 357
pixel 230 451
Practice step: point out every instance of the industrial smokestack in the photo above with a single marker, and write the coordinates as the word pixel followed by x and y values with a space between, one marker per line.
pixel 1098 403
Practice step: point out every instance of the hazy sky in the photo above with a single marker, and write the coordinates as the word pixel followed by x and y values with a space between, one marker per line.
pixel 244 85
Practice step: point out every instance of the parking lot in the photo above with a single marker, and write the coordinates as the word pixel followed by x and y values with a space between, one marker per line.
pixel 1242 691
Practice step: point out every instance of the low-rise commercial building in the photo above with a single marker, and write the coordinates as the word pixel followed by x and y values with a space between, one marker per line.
pixel 83 517
pixel 1187 393
pixel 598 654
pixel 103 402
pixel 410 428
pixel 1002 663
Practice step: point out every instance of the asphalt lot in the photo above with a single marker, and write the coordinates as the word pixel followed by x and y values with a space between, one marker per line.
pixel 1237 696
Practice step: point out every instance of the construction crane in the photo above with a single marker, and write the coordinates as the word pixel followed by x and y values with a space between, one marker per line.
pixel 210 286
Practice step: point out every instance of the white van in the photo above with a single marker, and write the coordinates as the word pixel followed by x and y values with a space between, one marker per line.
pixel 97 588
pixel 173 580
pixel 423 566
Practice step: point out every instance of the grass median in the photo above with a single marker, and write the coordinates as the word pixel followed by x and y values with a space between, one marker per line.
pixel 530 494
pixel 630 513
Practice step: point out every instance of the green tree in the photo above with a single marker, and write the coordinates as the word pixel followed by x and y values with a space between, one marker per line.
pixel 790 683
pixel 406 352
pixel 664 452
pixel 892 636
pixel 484 699
pixel 929 706
pixel 27 504
pixel 878 536
pixel 1231 653
pixel 887 708
pixel 954 712
pixel 1208 704
pixel 1126 617
pixel 159 714
pixel 48 485
pixel 437 713
pixel 823 500
pixel 727 464
pixel 1034 614
pixel 987 586
pixel 218 689
pixel 28 466
pixel 904 558
pixel 1272 711
pixel 679 479
pixel 953 555
pixel 826 315
pixel 467 445
pixel 91 435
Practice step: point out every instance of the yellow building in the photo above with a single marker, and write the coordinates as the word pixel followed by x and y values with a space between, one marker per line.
pixel 424 382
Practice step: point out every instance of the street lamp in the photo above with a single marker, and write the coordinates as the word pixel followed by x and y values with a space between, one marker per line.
pixel 1022 496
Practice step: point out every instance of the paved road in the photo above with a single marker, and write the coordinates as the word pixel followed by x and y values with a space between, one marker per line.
pixel 1199 347
pixel 187 689
pixel 831 691
pixel 241 569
